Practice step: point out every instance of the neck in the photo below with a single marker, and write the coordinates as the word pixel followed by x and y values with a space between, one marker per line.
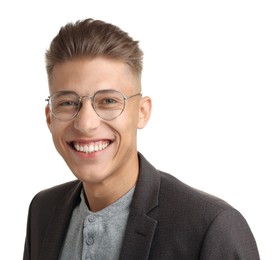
pixel 101 195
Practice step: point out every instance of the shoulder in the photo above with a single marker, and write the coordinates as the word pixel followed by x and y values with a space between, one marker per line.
pixel 229 236
pixel 197 208
pixel 173 189
pixel 173 196
pixel 57 195
pixel 208 225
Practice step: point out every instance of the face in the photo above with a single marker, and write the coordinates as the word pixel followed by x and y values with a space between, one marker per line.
pixel 114 146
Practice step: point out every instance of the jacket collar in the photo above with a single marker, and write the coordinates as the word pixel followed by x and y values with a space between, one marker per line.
pixel 140 228
pixel 59 223
pixel 147 189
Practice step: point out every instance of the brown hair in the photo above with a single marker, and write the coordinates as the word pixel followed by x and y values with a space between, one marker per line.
pixel 91 38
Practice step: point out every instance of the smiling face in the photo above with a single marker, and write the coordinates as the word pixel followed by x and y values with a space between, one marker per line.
pixel 99 151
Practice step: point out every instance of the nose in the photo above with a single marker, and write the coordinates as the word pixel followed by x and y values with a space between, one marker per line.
pixel 86 119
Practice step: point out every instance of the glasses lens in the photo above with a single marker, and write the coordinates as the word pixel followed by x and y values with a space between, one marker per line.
pixel 109 104
pixel 64 106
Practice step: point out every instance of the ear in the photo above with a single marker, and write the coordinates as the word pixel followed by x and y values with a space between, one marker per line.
pixel 48 117
pixel 144 112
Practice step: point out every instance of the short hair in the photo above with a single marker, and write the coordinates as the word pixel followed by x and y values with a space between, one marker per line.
pixel 91 38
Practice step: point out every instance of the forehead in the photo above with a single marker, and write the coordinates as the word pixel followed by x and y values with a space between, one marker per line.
pixel 85 76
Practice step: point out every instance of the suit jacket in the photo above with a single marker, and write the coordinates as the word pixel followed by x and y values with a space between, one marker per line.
pixel 168 220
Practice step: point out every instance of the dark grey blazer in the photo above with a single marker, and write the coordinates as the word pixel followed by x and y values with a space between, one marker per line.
pixel 168 220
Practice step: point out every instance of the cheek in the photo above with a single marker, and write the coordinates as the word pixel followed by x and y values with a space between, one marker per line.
pixel 129 122
pixel 54 129
pixel 131 117
pixel 55 136
pixel 128 129
pixel 57 130
pixel 125 126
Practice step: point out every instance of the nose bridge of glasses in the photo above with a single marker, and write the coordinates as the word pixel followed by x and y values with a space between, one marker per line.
pixel 91 100
pixel 86 117
pixel 81 98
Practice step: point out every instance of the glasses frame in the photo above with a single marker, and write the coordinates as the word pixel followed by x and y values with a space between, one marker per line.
pixel 80 98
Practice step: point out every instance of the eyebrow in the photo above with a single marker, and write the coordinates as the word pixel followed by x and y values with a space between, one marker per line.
pixel 61 92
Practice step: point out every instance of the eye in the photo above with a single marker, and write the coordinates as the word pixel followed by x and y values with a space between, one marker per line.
pixel 61 100
pixel 109 101
pixel 67 103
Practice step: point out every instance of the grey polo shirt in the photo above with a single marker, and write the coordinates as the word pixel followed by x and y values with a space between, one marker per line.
pixel 96 235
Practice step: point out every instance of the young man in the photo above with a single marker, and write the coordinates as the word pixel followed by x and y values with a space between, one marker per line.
pixel 120 206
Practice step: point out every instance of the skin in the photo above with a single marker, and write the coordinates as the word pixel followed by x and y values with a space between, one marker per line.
pixel 110 173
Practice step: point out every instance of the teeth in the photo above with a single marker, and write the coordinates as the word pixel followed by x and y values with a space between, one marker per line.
pixel 91 147
pixel 86 149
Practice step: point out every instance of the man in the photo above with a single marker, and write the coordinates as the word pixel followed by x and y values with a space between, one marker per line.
pixel 120 206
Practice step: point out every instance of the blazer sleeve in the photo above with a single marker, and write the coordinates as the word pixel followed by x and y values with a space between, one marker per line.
pixel 229 238
pixel 27 247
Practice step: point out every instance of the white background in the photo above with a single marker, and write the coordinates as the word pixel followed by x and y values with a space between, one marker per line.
pixel 210 69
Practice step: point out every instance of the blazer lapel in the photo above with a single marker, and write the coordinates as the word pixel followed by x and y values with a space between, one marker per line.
pixel 58 225
pixel 140 228
pixel 55 233
pixel 138 237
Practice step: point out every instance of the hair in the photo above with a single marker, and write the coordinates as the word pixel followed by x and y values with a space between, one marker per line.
pixel 90 39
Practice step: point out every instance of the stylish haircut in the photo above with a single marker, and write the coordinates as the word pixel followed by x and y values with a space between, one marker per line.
pixel 91 38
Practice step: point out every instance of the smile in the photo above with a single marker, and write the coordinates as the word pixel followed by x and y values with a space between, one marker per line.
pixel 92 147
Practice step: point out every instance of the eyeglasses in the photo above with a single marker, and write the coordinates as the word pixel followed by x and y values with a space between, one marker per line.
pixel 107 103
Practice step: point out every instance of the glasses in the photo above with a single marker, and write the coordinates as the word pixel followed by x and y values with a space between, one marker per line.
pixel 107 103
